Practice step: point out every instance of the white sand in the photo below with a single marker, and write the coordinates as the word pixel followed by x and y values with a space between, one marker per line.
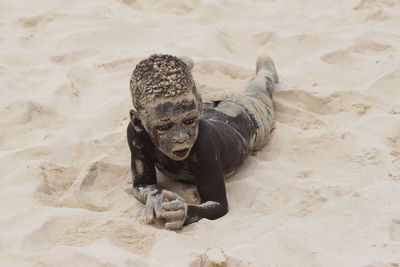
pixel 326 192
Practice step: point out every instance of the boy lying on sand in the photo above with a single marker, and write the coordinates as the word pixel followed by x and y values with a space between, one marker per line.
pixel 187 139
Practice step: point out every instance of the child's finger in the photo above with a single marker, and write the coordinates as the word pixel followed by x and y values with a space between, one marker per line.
pixel 148 213
pixel 174 225
pixel 173 205
pixel 157 208
pixel 174 215
pixel 169 195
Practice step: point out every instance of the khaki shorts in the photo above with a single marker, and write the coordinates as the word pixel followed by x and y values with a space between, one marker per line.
pixel 259 107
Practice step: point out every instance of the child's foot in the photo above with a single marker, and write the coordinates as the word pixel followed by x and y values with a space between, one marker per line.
pixel 266 62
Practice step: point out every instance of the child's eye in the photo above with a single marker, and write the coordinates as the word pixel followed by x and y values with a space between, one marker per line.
pixel 163 128
pixel 190 121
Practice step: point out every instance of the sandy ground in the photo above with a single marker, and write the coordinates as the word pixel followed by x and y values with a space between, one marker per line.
pixel 324 193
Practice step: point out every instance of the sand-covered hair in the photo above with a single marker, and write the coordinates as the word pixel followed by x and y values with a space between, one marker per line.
pixel 160 76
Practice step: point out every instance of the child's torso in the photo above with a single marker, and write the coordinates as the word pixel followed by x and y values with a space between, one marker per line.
pixel 232 133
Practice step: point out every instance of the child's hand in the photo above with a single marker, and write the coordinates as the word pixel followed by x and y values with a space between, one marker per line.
pixel 153 207
pixel 173 210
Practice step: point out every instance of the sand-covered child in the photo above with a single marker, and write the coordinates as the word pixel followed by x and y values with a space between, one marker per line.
pixel 188 139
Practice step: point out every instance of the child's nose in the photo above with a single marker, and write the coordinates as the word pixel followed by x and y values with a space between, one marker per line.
pixel 181 137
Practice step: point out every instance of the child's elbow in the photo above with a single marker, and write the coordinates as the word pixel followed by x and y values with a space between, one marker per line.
pixel 222 211
pixel 225 210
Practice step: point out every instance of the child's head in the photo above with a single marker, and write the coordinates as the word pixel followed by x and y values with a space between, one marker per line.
pixel 167 103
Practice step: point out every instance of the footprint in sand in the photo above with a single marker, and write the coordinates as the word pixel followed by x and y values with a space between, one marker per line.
pixel 304 110
pixel 89 189
pixel 306 101
pixel 300 109
pixel 56 181
pixel 124 232
pixel 101 175
pixel 365 51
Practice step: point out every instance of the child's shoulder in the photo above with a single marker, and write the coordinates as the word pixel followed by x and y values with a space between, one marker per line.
pixel 209 135
pixel 213 129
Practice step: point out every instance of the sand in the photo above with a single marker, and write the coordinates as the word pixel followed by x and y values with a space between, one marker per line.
pixel 324 193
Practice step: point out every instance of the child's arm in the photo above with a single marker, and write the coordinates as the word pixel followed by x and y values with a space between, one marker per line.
pixel 210 185
pixel 145 188
pixel 209 180
pixel 159 202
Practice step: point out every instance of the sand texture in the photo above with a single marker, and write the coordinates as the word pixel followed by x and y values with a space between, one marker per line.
pixel 326 192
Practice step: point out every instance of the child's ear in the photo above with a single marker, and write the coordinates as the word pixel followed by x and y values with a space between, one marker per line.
pixel 134 118
pixel 133 114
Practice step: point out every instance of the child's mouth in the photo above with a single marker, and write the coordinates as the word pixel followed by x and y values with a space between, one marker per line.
pixel 181 153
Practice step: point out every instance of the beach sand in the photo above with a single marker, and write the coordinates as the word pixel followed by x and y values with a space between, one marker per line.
pixel 325 192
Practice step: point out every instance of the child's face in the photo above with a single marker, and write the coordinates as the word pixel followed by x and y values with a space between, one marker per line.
pixel 173 124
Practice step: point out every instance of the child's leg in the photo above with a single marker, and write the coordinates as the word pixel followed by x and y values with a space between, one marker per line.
pixel 259 93
pixel 265 79
pixel 256 101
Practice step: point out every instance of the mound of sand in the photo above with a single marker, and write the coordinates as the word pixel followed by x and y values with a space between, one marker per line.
pixel 324 193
